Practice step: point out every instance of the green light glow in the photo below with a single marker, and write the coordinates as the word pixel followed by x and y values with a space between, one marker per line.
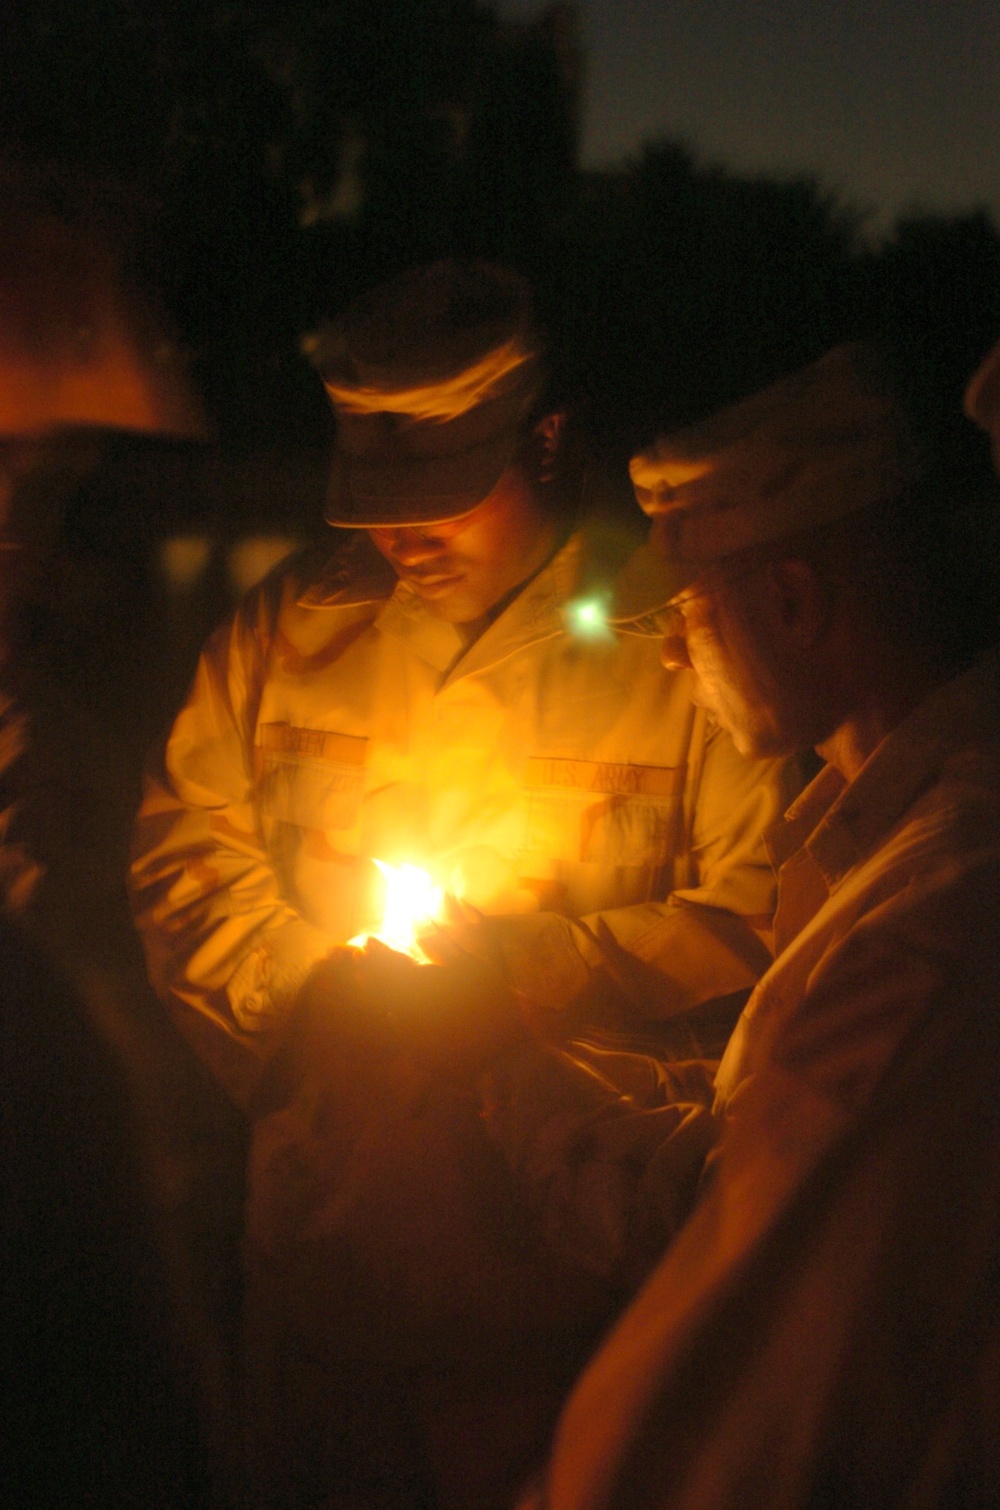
pixel 587 619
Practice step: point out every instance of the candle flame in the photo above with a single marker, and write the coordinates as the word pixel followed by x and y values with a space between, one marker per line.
pixel 412 902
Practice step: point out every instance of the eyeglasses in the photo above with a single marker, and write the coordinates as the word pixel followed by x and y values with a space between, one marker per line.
pixel 670 618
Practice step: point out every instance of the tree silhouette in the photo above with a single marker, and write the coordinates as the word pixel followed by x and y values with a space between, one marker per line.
pixel 287 156
pixel 679 287
pixel 282 158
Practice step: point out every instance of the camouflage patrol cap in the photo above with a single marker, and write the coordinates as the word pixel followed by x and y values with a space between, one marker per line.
pixel 818 445
pixel 432 377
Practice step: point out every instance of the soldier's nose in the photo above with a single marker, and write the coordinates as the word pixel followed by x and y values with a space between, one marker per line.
pixel 674 653
pixel 408 546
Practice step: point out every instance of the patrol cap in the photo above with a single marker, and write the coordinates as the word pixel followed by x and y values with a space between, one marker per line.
pixel 431 377
pixel 815 446
pixel 982 398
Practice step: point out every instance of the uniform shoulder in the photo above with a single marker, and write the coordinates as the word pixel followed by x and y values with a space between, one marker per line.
pixel 323 574
pixel 959 815
pixel 348 572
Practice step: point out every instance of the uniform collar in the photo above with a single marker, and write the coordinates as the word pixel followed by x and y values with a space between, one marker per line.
pixel 406 617
pixel 584 567
pixel 841 823
pixel 534 614
pixel 356 574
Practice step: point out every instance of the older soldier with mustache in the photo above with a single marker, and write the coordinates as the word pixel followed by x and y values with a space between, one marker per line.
pixel 825 1330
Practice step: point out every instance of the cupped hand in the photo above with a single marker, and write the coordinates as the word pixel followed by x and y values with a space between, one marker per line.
pixel 454 1014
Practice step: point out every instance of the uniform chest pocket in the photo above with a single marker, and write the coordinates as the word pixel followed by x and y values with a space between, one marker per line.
pixel 603 812
pixel 312 778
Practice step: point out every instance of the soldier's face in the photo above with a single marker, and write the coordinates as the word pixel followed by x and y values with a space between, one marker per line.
pixel 717 629
pixel 464 568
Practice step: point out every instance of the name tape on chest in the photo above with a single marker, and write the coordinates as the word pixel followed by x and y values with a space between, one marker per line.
pixel 312 744
pixel 605 776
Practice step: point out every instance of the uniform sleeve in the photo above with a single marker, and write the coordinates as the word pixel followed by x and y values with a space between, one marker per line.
pixel 225 949
pixel 607 1147
pixel 609 1136
pixel 703 940
pixel 846 1251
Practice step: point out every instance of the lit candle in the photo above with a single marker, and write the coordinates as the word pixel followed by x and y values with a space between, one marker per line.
pixel 412 902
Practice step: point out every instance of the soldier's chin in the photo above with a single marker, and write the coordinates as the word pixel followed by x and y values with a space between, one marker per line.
pixel 436 589
pixel 459 604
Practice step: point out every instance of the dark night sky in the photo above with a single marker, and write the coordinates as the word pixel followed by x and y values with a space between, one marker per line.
pixel 895 104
